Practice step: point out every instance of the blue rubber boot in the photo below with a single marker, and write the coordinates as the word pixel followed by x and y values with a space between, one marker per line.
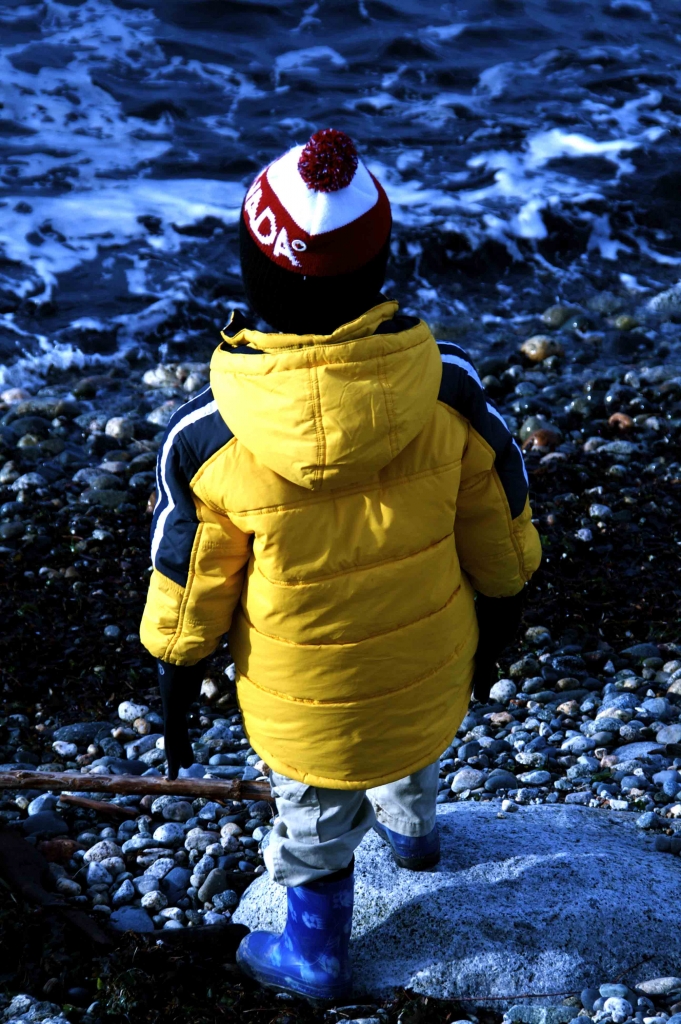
pixel 416 853
pixel 311 958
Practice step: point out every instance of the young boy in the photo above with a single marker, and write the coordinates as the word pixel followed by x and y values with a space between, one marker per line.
pixel 332 501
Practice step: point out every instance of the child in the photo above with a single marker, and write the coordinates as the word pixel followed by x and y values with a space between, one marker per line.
pixel 332 501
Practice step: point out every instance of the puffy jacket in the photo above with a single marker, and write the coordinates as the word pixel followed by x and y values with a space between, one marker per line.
pixel 331 503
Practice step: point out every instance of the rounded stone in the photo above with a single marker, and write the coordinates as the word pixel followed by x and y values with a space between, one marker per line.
pixel 542 864
pixel 597 511
pixel 154 901
pixel 159 868
pixel 503 691
pixel 669 734
pixel 176 883
pixel 67 887
pixel 44 802
pixel 535 778
pixel 197 839
pixel 128 711
pixel 124 893
pixel 180 811
pixel 500 779
pixel 612 990
pixel 647 820
pixel 226 900
pixel 539 347
pixel 588 997
pixel 65 750
pixel 662 986
pixel 531 758
pixel 170 834
pixel 215 882
pixel 131 919
pixel 230 829
pixel 215 920
pixel 45 823
pixel 97 874
pixel 538 635
pixel 619 1009
pixel 102 850
pixel 120 427
pixel 467 778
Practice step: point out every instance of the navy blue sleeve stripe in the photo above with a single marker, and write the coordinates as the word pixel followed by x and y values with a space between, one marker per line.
pixel 462 389
pixel 195 432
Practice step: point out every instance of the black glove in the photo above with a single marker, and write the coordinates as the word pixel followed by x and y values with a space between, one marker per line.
pixel 180 686
pixel 498 622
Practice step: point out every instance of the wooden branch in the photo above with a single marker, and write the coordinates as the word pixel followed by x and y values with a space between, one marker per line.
pixel 215 789
pixel 103 806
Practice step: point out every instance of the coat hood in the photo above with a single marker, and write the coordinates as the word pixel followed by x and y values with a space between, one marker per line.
pixel 328 411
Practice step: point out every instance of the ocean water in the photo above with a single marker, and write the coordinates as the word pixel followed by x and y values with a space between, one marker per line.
pixel 530 150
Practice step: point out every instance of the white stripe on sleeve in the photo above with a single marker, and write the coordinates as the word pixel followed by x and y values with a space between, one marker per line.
pixel 458 361
pixel 186 421
pixel 522 462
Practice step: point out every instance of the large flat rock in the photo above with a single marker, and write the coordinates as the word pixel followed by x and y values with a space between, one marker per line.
pixel 549 899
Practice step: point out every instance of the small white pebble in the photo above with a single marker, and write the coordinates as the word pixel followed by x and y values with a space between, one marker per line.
pixel 64 749
pixel 154 901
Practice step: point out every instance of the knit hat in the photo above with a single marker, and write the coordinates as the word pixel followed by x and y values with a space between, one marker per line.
pixel 315 232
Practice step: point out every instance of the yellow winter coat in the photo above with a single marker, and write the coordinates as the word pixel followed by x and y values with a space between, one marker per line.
pixel 331 503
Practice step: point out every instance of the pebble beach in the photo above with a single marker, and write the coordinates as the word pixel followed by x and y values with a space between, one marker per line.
pixel 586 711
pixel 531 160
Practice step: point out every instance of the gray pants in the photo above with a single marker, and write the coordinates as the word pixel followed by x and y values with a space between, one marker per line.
pixel 317 831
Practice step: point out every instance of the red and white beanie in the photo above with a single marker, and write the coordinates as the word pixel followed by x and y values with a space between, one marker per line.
pixel 317 210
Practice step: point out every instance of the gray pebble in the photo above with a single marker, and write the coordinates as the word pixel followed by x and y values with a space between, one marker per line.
pixel 647 820
pixel 44 802
pixel 467 778
pixel 535 778
pixel 45 823
pixel 500 779
pixel 124 893
pixel 226 900
pixel 129 712
pixel 215 882
pixel 197 839
pixel 131 919
pixel 216 920
pixel 619 1009
pixel 154 901
pixel 503 691
pixel 97 874
pixel 660 986
pixel 170 834
pixel 102 850
pixel 175 883
pixel 159 868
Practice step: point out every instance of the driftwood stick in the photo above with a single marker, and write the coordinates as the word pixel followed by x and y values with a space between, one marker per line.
pixel 216 789
pixel 103 806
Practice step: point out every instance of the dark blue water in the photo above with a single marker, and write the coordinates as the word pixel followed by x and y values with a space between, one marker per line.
pixel 530 151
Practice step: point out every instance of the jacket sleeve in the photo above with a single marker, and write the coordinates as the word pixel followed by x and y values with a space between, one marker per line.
pixel 498 546
pixel 198 555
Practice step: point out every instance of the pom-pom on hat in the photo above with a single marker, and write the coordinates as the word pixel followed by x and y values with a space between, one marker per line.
pixel 317 210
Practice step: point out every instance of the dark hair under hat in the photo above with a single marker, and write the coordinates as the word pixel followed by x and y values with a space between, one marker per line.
pixel 315 237
pixel 298 304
